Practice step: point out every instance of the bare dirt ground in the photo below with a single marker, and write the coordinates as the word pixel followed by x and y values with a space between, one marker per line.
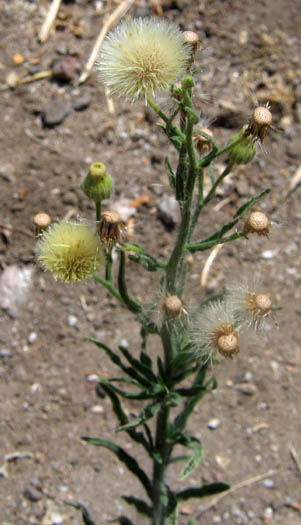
pixel 249 52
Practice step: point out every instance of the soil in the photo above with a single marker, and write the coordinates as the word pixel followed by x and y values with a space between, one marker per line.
pixel 48 393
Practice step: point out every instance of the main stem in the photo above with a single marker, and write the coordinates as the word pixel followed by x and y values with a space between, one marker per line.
pixel 160 496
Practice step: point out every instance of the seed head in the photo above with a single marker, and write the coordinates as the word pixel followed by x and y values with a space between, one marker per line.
pixel 202 144
pixel 260 121
pixel 249 303
pixel 110 227
pixel 71 251
pixel 41 222
pixel 257 222
pixel 142 56
pixel 173 307
pixel 214 331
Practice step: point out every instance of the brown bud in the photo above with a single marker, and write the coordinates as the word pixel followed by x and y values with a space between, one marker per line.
pixel 109 228
pixel 173 306
pixel 260 122
pixel 228 345
pixel 191 38
pixel 202 144
pixel 41 222
pixel 263 302
pixel 257 222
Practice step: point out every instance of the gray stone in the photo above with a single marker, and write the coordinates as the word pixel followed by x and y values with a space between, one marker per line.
pixel 15 285
pixel 32 494
pixel 169 211
pixel 82 102
pixel 55 113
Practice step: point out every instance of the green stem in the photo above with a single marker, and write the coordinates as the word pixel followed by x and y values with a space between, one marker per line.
pixel 205 245
pixel 170 129
pixel 109 265
pixel 109 286
pixel 211 193
pixel 132 305
pixel 98 210
pixel 160 496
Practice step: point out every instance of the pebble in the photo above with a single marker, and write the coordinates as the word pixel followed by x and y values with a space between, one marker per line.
pixel 213 424
pixel 7 172
pixel 72 320
pixel 269 254
pixel 249 389
pixel 268 514
pixel 15 284
pixel 55 113
pixel 70 198
pixel 168 211
pixel 269 483
pixel 5 353
pixel 97 409
pixel 32 494
pixel 32 337
pixel 82 102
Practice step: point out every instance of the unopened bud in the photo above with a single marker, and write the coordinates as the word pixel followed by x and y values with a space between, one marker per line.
pixel 109 228
pixel 41 222
pixel 258 223
pixel 191 38
pixel 263 303
pixel 260 121
pixel 173 306
pixel 188 82
pixel 202 144
pixel 98 184
pixel 244 150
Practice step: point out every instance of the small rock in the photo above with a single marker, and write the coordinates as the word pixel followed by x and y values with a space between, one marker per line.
pixel 269 483
pixel 268 514
pixel 93 378
pixel 97 409
pixel 169 211
pixel 213 424
pixel 249 389
pixel 70 198
pixel 5 353
pixel 55 113
pixel 15 284
pixel 269 254
pixel 72 320
pixel 32 337
pixel 82 102
pixel 32 494
pixel 7 172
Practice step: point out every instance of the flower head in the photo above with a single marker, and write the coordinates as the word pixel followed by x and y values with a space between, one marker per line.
pixel 257 222
pixel 249 302
pixel 214 331
pixel 71 251
pixel 110 227
pixel 142 56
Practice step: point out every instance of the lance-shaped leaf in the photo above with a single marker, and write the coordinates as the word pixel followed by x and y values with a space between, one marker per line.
pixel 147 393
pixel 123 419
pixel 125 458
pixel 146 413
pixel 204 490
pixel 130 371
pixel 170 173
pixel 194 460
pixel 144 370
pixel 85 514
pixel 140 505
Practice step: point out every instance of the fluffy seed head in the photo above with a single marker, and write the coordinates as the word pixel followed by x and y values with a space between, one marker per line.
pixel 214 331
pixel 71 251
pixel 250 305
pixel 142 56
pixel 257 222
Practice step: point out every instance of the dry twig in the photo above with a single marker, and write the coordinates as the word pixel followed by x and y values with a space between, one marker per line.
pixel 208 264
pixel 295 457
pixel 240 485
pixel 49 20
pixel 112 20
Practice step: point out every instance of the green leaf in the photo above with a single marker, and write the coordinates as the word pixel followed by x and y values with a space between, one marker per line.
pixel 140 505
pixel 146 360
pixel 145 371
pixel 193 462
pixel 85 514
pixel 123 520
pixel 204 490
pixel 130 371
pixel 146 413
pixel 248 205
pixel 125 458
pixel 179 458
pixel 188 392
pixel 170 173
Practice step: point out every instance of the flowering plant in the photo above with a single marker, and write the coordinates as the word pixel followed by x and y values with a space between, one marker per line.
pixel 138 59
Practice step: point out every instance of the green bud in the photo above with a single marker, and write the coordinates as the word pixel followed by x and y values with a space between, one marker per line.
pixel 244 150
pixel 98 184
pixel 187 82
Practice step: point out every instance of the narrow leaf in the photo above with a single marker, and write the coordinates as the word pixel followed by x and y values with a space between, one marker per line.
pixel 146 413
pixel 193 462
pixel 85 514
pixel 204 490
pixel 140 505
pixel 137 365
pixel 125 458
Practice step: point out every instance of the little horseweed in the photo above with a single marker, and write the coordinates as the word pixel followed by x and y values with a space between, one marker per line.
pixel 139 59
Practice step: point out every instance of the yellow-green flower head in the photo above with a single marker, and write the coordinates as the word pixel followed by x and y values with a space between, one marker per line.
pixel 71 251
pixel 142 56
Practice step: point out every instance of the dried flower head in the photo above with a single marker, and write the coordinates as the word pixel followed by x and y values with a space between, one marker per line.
pixel 173 307
pixel 71 251
pixel 257 222
pixel 260 122
pixel 109 228
pixel 142 56
pixel 202 144
pixel 249 303
pixel 214 331
pixel 41 222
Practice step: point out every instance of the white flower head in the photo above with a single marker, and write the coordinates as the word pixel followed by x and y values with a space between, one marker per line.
pixel 142 56
pixel 213 331
pixel 250 304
